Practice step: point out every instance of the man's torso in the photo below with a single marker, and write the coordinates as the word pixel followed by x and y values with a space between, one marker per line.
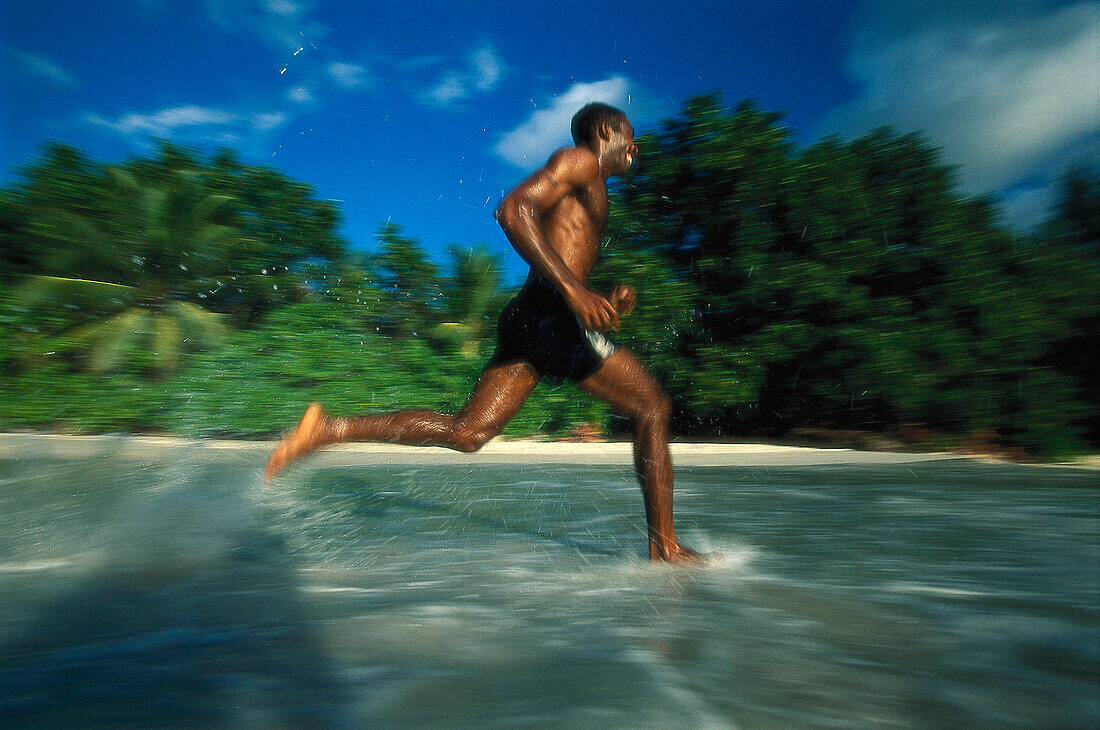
pixel 538 325
pixel 574 225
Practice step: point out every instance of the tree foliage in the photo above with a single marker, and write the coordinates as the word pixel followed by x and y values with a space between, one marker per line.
pixel 473 298
pixel 410 282
pixel 142 255
pixel 848 284
pixel 851 285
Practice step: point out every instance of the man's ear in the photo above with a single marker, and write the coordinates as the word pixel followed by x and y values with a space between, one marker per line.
pixel 606 130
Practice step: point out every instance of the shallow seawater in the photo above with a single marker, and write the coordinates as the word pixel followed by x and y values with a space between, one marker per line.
pixel 180 591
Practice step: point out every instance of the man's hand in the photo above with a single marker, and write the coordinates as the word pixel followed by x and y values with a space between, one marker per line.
pixel 623 299
pixel 594 311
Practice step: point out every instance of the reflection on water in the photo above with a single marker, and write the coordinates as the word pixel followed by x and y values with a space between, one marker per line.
pixel 948 593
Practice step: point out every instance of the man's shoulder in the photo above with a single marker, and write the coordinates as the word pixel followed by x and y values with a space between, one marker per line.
pixel 577 164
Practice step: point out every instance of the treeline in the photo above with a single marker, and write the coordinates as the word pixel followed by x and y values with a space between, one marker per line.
pixel 851 285
pixel 782 290
pixel 178 294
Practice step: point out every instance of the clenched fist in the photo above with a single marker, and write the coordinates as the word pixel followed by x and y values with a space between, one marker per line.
pixel 623 299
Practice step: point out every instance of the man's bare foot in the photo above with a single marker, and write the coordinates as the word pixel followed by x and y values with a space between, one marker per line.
pixel 677 553
pixel 307 436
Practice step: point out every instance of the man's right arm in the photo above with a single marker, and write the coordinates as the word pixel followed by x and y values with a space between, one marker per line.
pixel 520 215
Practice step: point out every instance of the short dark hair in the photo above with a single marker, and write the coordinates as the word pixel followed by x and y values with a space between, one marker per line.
pixel 587 122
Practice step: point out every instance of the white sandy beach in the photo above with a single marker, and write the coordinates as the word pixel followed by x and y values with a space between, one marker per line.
pixel 498 451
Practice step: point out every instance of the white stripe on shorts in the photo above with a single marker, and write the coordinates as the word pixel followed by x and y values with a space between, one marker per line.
pixel 599 343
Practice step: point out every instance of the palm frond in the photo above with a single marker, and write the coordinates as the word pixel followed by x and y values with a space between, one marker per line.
pixel 155 216
pixel 167 339
pixel 198 325
pixel 213 233
pixel 123 179
pixel 115 337
pixel 208 206
pixel 60 291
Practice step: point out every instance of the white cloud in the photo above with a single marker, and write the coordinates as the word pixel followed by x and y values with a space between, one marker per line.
pixel 166 121
pixel 317 81
pixel 268 120
pixel 479 74
pixel 37 66
pixel 348 75
pixel 532 142
pixel 284 7
pixel 300 95
pixel 253 122
pixel 282 24
pixel 451 88
pixel 1000 87
pixel 486 68
pixel 191 123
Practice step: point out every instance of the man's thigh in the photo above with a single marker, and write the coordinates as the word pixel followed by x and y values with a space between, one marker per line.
pixel 624 383
pixel 501 390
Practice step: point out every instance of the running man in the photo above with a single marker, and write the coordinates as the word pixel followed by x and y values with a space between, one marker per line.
pixel 555 326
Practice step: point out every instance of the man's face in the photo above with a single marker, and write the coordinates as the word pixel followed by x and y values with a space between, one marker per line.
pixel 622 150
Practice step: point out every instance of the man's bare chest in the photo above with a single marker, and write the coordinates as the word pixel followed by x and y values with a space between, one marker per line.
pixel 589 202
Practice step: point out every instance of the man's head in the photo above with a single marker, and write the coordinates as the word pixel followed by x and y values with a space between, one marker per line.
pixel 602 125
pixel 591 118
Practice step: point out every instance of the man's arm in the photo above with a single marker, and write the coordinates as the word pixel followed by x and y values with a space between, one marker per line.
pixel 520 215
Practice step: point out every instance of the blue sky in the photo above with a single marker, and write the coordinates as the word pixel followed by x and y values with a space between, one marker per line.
pixel 425 113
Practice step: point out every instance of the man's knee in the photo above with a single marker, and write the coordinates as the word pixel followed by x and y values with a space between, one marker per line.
pixel 656 410
pixel 470 440
pixel 664 406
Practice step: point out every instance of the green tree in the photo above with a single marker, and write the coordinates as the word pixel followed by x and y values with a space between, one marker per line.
pixel 284 228
pixel 17 255
pixel 176 236
pixel 63 179
pixel 472 298
pixel 410 283
pixel 1077 215
pixel 847 284
pixel 707 199
pixel 1064 261
pixel 144 255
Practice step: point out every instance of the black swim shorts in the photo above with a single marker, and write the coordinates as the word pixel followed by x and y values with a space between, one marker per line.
pixel 538 326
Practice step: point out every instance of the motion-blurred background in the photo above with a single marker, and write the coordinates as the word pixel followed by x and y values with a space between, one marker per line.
pixel 212 213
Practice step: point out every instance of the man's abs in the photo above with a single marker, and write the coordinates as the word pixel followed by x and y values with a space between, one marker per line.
pixel 573 235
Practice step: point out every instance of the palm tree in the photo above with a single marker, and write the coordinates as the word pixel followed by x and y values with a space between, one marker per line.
pixel 160 248
pixel 473 297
